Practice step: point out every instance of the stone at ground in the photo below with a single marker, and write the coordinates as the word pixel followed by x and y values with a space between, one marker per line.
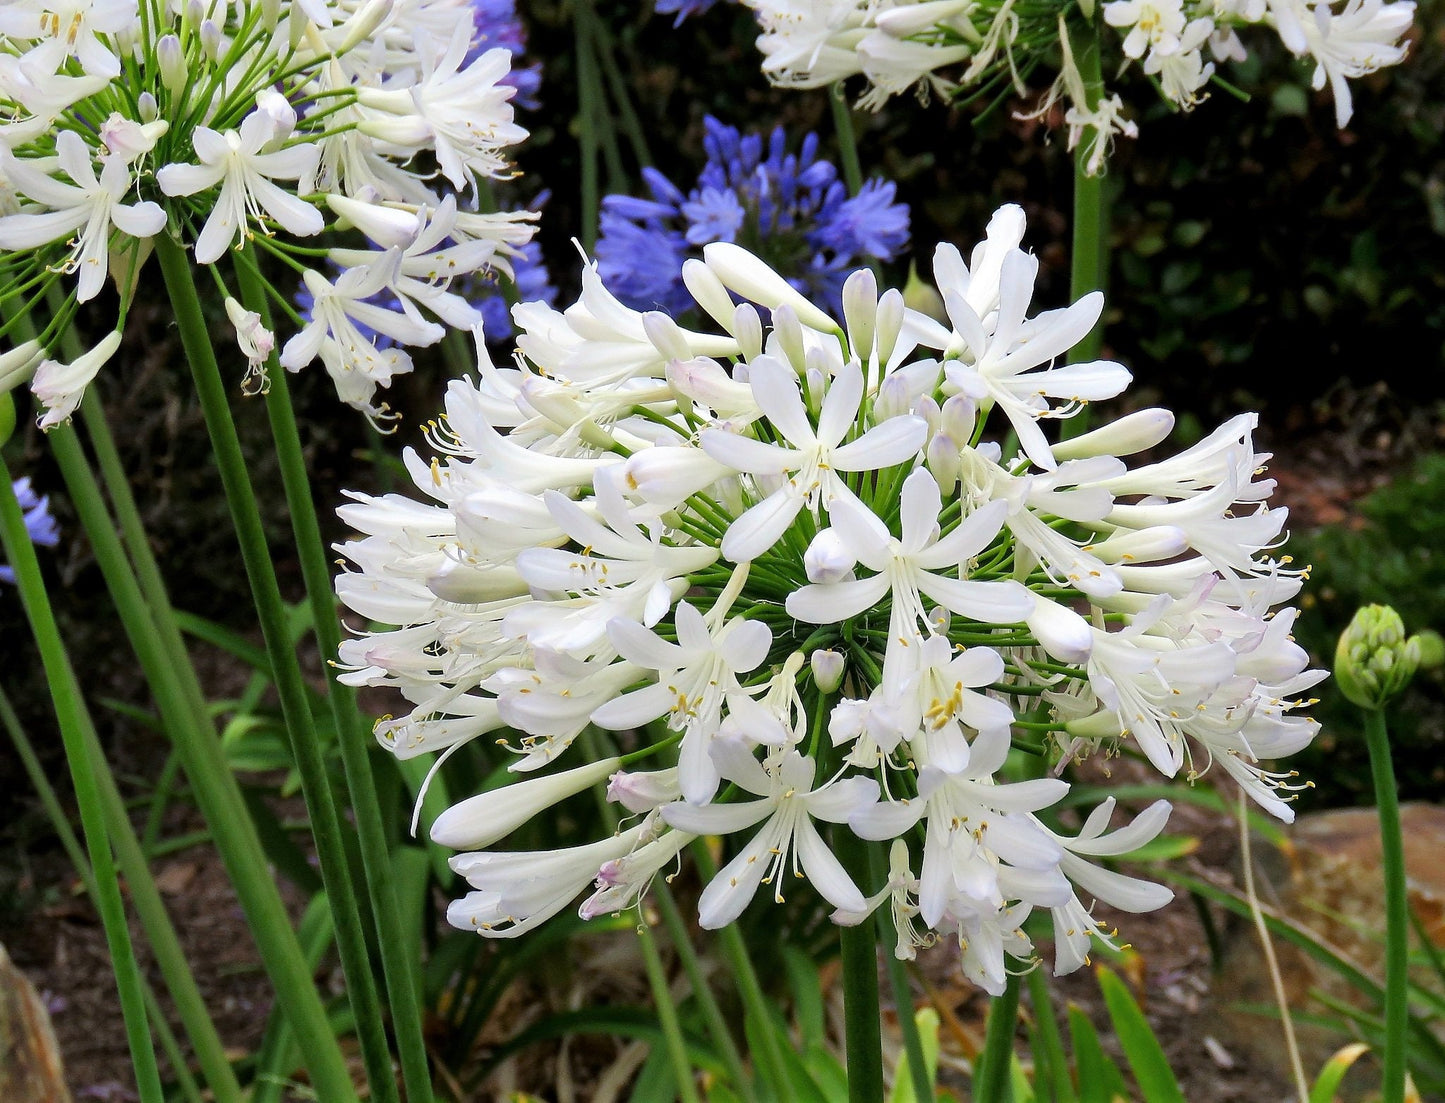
pixel 30 1069
pixel 1327 878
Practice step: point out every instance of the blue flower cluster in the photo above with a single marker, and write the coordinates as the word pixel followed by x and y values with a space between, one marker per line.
pixel 789 209
pixel 496 25
pixel 38 521
pixel 683 9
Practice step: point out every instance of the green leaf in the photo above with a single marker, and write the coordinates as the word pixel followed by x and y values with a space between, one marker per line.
pixel 807 996
pixel 1334 1071
pixel 928 1023
pixel 1023 1090
pixel 1146 1057
pixel 1099 1078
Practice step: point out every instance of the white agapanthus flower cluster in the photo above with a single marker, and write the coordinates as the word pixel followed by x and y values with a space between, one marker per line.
pixel 822 576
pixel 901 44
pixel 223 122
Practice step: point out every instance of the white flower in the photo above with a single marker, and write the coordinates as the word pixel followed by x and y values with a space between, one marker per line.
pixel 237 162
pixel 816 456
pixel 789 805
pixel 61 386
pixel 89 205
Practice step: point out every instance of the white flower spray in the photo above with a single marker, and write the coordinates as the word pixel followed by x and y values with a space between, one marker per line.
pixel 823 576
pixel 254 122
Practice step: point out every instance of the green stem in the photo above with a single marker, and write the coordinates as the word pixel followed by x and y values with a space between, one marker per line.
pixel 588 87
pixel 667 1016
pixel 862 1020
pixel 290 685
pixel 160 934
pixel 146 612
pixel 847 138
pixel 74 721
pixel 1050 1062
pixel 353 736
pixel 702 991
pixel 1090 247
pixel 992 1083
pixel 1397 920
pixel 903 1001
pixel 771 1066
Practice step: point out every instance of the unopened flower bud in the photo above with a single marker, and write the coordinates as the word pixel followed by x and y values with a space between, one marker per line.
pixel 704 286
pixel 748 329
pixel 959 415
pixel 827 670
pixel 828 558
pixel 923 297
pixel 789 332
pixel 816 382
pixel 927 408
pixel 642 792
pixel 147 108
pixel 744 273
pixel 942 458
pixel 171 60
pixel 860 311
pixel 1432 649
pixel 892 398
pixel 480 821
pixel 19 364
pixel 1130 434
pixel 210 39
pixel 1374 661
pixel 889 324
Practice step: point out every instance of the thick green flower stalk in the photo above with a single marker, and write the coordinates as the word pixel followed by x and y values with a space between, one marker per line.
pixel 821 576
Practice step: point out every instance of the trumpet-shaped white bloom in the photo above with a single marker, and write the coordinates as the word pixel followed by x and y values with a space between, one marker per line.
pixel 718 545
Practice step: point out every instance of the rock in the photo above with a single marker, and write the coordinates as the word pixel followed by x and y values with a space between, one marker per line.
pixel 1327 877
pixel 30 1069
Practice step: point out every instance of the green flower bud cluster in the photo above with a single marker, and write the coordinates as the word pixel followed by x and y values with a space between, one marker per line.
pixel 1374 660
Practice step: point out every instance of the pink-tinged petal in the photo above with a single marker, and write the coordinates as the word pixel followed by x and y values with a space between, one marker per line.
pixel 729 893
pixel 840 405
pixel 825 871
pixel 972 535
pixel 919 510
pixel 761 526
pixel 643 647
pixel 634 709
pixel 986 602
pixel 742 453
pixel 745 645
pixel 863 533
pixel 715 819
pixel 888 444
pixel 836 601
pixel 775 387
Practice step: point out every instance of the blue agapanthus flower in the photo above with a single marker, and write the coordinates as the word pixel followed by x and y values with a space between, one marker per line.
pixel 39 524
pixel 683 9
pixel 497 24
pixel 790 209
